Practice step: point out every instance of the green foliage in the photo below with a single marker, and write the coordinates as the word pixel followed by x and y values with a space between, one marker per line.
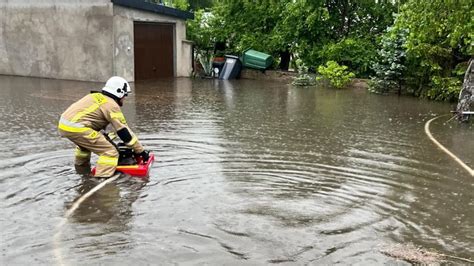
pixel 315 31
pixel 337 75
pixel 460 70
pixel 195 5
pixel 181 4
pixel 303 78
pixel 426 49
pixel 200 30
pixel 178 4
pixel 362 18
pixel 443 89
pixel 390 66
pixel 440 36
pixel 205 59
pixel 318 30
pixel 356 53
pixel 437 27
pixel 244 24
pixel 422 52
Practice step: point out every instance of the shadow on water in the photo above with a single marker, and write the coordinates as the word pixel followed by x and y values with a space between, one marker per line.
pixel 245 171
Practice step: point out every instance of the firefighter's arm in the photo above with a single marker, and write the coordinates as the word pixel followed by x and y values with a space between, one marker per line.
pixel 117 119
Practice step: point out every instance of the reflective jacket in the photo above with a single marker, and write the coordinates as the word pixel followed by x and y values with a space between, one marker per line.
pixel 96 111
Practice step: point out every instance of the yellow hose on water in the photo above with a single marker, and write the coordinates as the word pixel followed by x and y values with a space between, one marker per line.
pixel 454 157
pixel 77 203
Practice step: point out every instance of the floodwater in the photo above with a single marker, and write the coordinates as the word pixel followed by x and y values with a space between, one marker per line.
pixel 246 172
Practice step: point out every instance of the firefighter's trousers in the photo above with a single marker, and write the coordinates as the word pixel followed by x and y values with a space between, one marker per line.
pixel 92 141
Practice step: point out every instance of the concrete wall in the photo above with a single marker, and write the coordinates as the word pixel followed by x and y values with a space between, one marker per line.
pixel 123 47
pixel 183 51
pixel 123 34
pixel 60 39
pixel 283 76
pixel 185 68
pixel 77 39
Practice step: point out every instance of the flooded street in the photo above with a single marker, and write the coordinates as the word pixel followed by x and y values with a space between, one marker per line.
pixel 246 172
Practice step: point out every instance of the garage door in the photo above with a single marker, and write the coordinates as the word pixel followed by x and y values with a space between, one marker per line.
pixel 154 53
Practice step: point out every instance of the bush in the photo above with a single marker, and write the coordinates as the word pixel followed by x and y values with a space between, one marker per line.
pixel 357 54
pixel 444 89
pixel 303 78
pixel 391 62
pixel 439 39
pixel 337 75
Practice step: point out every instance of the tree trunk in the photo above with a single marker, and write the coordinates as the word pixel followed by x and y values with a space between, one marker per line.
pixel 284 60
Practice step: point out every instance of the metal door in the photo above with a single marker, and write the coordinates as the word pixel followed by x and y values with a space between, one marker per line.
pixel 153 48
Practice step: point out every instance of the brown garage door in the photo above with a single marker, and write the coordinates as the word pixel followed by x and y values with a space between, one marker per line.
pixel 153 50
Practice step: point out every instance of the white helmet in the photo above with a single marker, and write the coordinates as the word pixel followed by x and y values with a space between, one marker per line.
pixel 117 86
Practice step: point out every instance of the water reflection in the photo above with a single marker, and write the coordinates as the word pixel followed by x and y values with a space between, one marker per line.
pixel 105 216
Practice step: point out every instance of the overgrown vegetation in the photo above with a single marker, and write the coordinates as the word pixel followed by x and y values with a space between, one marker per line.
pixel 439 42
pixel 303 79
pixel 201 32
pixel 390 67
pixel 356 53
pixel 337 75
pixel 407 46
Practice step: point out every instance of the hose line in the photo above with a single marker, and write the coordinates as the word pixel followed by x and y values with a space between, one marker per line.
pixel 454 157
pixel 70 211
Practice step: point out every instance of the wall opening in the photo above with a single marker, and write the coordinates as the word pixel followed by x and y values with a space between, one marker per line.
pixel 153 50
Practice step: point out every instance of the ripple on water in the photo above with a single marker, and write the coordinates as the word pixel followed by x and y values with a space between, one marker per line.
pixel 245 172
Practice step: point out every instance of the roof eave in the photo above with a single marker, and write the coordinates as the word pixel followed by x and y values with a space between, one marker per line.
pixel 155 8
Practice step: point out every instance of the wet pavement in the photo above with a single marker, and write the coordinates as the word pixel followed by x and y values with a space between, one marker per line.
pixel 246 172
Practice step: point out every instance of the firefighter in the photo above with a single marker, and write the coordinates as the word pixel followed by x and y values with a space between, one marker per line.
pixel 83 121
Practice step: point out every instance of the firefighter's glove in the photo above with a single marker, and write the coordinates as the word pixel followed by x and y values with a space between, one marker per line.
pixel 145 155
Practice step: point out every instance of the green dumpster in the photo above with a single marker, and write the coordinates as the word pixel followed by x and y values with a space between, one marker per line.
pixel 256 59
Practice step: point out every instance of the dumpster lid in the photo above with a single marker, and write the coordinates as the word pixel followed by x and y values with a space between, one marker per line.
pixel 231 56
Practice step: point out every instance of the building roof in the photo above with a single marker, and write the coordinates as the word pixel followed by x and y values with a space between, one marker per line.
pixel 155 8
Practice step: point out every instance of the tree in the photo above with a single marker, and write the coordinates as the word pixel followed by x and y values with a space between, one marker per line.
pixel 195 5
pixel 337 75
pixel 439 42
pixel 244 24
pixel 441 33
pixel 357 53
pixel 362 18
pixel 341 30
pixel 178 4
pixel 202 34
pixel 391 62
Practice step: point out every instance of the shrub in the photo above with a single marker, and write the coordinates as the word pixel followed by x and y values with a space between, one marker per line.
pixel 391 58
pixel 444 89
pixel 303 78
pixel 439 38
pixel 205 59
pixel 357 54
pixel 337 75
